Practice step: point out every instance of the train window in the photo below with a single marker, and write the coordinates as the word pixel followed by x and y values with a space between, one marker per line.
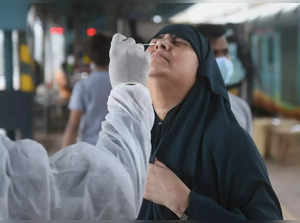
pixel 289 81
pixel 271 47
pixel 259 53
pixel 266 57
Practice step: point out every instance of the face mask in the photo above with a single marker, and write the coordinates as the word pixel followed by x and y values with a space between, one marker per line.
pixel 226 68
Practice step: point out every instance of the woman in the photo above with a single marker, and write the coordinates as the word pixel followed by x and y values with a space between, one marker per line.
pixel 204 166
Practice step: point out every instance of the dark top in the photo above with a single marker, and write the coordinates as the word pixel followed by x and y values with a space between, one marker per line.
pixel 203 144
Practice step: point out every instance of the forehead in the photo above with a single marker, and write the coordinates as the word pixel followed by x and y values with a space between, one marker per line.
pixel 219 43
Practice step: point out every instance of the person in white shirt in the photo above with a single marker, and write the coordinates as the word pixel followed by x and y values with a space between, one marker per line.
pixel 88 103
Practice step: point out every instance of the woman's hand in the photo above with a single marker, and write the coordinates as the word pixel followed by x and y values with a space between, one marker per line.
pixel 165 188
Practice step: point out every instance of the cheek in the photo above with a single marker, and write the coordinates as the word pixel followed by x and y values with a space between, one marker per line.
pixel 157 68
pixel 188 63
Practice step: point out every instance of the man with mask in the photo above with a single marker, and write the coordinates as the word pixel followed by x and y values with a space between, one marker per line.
pixel 219 44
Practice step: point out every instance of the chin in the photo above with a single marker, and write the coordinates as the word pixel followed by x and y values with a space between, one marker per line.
pixel 158 72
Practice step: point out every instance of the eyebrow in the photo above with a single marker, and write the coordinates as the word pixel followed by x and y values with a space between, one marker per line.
pixel 174 37
pixel 160 36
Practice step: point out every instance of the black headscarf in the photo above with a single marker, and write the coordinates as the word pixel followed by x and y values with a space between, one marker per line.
pixel 203 144
pixel 206 101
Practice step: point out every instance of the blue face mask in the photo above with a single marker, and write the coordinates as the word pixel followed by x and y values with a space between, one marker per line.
pixel 226 68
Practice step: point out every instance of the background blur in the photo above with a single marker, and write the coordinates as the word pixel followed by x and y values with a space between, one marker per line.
pixel 42 56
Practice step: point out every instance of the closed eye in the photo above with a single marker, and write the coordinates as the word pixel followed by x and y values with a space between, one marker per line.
pixel 180 42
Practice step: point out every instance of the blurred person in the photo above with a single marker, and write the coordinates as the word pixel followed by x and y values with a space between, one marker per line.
pixel 84 181
pixel 204 166
pixel 61 80
pixel 38 73
pixel 88 103
pixel 219 44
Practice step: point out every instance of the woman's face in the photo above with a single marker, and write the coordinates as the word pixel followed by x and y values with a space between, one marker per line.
pixel 174 59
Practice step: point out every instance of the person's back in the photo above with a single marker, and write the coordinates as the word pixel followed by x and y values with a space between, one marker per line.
pixel 90 96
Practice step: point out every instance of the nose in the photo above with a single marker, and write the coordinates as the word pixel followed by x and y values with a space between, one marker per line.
pixel 161 43
pixel 164 43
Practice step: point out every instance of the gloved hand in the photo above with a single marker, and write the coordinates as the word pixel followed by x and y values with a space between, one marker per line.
pixel 129 63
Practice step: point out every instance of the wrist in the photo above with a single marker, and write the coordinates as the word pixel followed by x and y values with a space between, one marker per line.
pixel 182 203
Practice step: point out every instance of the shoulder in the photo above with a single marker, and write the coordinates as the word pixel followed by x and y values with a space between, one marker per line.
pixel 237 100
pixel 78 86
pixel 231 139
pixel 239 105
pixel 98 78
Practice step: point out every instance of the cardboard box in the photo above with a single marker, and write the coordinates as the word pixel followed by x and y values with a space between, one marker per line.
pixel 285 143
pixel 261 128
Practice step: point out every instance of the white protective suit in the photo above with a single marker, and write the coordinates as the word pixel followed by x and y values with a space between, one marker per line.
pixel 82 181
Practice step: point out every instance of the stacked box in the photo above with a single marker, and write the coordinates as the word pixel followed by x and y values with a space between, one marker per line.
pixel 285 143
pixel 261 128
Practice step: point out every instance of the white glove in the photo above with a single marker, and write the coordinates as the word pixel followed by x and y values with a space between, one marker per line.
pixel 129 63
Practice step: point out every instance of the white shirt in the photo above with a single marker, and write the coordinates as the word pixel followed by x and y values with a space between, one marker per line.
pixel 242 112
pixel 90 96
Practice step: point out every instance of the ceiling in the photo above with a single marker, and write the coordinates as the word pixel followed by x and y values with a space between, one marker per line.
pixel 88 10
pixel 13 12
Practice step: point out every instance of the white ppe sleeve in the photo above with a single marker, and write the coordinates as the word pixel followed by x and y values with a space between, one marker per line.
pixel 83 181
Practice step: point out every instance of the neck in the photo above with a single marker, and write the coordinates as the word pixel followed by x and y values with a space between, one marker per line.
pixel 165 95
pixel 100 68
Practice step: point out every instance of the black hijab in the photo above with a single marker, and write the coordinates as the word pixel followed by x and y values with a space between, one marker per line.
pixel 203 144
pixel 205 103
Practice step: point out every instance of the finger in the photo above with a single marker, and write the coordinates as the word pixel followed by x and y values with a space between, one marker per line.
pixel 130 41
pixel 150 169
pixel 116 44
pixel 118 37
pixel 140 46
pixel 158 163
pixel 140 52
